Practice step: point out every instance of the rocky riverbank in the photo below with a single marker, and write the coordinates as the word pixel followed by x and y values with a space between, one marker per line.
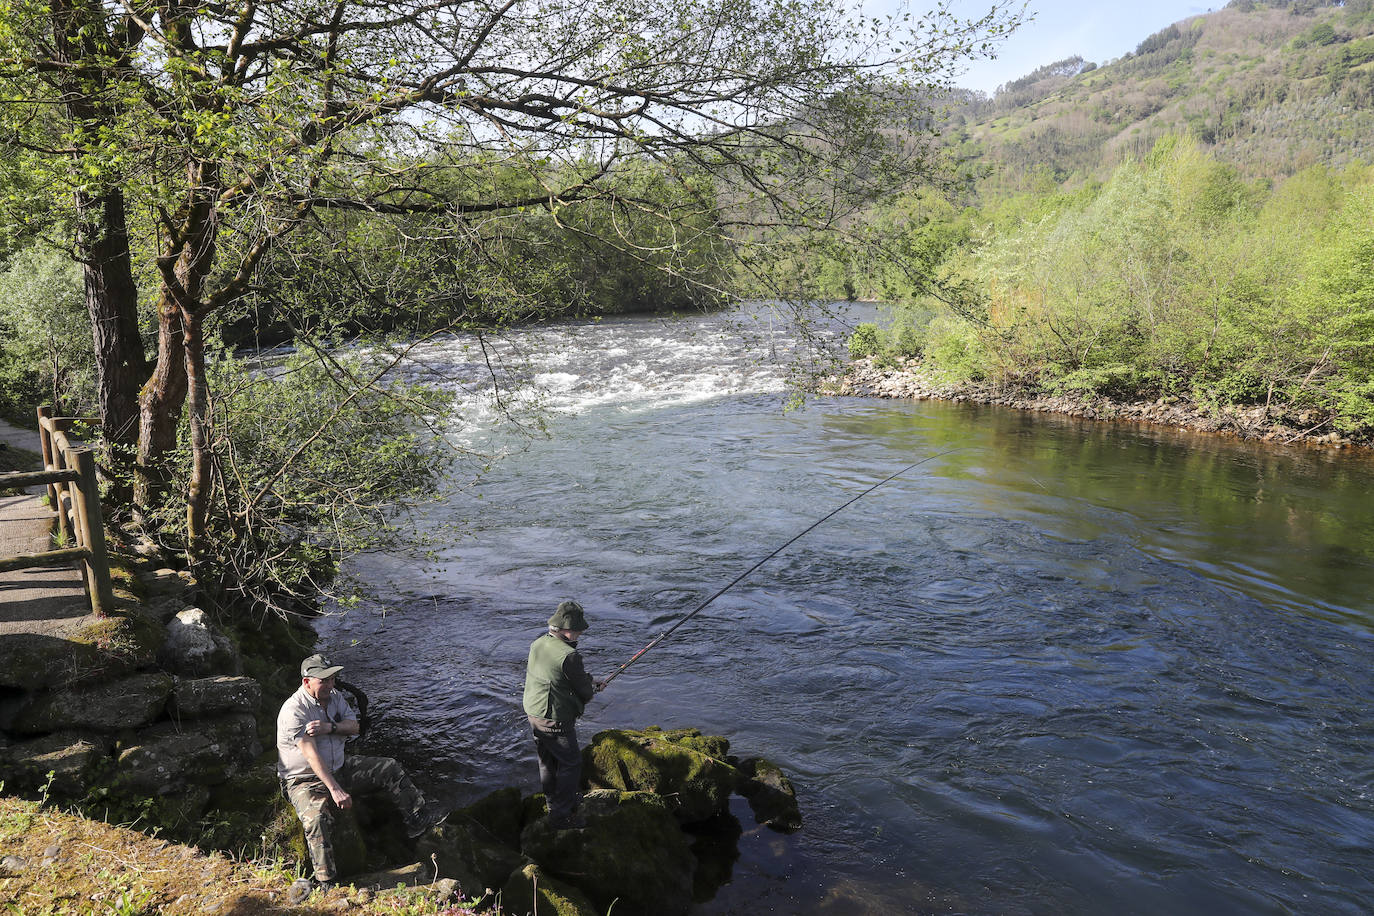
pixel 911 379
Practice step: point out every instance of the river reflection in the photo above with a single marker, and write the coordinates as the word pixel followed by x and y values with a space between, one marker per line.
pixel 1070 667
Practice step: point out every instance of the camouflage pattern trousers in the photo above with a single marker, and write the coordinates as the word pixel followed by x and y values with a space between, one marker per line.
pixel 358 775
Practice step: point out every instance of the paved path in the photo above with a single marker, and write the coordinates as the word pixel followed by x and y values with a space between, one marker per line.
pixel 47 601
pixel 15 437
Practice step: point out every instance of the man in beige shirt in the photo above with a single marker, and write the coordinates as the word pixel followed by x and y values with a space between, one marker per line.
pixel 312 728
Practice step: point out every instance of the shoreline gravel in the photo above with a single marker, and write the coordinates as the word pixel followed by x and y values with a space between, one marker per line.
pixel 910 379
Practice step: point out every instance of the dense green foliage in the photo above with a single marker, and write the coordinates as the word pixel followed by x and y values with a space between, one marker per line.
pixel 1192 220
pixel 1174 278
pixel 45 353
pixel 348 273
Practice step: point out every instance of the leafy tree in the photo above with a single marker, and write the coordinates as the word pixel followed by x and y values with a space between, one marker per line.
pixel 1340 290
pixel 42 329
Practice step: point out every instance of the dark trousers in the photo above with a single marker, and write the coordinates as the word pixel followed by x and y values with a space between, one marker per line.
pixel 560 765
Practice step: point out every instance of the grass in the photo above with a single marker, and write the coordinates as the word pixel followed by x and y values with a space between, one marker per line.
pixel 110 870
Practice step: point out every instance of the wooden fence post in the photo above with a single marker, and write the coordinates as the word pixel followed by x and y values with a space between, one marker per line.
pixel 86 494
pixel 45 443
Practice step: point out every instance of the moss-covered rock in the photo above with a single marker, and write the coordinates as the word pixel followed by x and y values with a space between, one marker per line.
pixel 684 766
pixel 127 639
pixel 532 890
pixel 464 850
pixel 770 794
pixel 32 661
pixel 126 703
pixel 503 813
pixel 632 854
pixel 255 790
pixel 90 649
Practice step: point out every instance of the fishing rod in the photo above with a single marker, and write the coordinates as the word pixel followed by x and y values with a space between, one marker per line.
pixel 741 577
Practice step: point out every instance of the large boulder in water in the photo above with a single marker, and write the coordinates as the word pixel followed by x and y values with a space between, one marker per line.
pixel 632 854
pixel 533 890
pixel 770 794
pixel 688 769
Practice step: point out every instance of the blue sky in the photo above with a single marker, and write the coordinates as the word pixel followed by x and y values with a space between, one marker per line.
pixel 1099 30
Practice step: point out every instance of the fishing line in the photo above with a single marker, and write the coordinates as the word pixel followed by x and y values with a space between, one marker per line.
pixel 741 577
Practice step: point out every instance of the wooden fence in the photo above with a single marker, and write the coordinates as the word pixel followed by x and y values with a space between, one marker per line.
pixel 74 495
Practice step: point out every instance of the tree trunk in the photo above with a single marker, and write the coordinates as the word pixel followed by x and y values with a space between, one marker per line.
pixel 198 409
pixel 160 407
pixel 112 302
pixel 180 347
pixel 102 239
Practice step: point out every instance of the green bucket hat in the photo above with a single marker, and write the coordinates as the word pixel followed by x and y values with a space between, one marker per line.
pixel 568 617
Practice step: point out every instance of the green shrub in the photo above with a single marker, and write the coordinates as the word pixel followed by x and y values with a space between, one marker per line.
pixel 865 341
pixel 954 348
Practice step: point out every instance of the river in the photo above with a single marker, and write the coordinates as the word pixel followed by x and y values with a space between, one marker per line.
pixel 1069 668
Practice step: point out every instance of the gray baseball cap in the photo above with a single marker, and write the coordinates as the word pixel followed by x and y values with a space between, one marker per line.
pixel 320 667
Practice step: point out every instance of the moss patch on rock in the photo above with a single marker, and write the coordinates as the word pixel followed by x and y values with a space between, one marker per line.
pixel 688 769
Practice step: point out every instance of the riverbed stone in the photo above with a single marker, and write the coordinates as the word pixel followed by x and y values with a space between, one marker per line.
pixel 195 648
pixel 126 703
pixel 74 759
pixel 533 890
pixel 503 813
pixel 632 854
pixel 688 769
pixel 169 757
pixel 199 697
pixel 770 794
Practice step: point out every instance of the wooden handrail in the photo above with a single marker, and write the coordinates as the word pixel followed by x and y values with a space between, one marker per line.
pixel 31 478
pixel 74 495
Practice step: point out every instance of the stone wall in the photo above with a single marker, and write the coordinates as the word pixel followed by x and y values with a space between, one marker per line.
pixel 147 713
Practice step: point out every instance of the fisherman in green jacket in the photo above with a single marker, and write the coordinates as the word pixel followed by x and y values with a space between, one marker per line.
pixel 557 689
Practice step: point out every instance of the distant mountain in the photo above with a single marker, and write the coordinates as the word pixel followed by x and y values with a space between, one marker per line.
pixel 1269 87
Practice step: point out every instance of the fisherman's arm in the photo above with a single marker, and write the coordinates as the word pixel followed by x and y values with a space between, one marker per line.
pixel 312 757
pixel 346 727
pixel 578 678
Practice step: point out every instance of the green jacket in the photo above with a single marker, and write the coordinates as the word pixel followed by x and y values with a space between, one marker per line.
pixel 557 687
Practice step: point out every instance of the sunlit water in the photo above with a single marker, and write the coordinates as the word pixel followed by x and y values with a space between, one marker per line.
pixel 1068 668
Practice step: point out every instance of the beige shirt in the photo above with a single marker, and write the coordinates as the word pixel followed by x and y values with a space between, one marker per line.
pixel 299 709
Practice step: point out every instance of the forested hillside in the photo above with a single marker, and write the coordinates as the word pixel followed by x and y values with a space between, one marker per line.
pixel 1193 221
pixel 1269 87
